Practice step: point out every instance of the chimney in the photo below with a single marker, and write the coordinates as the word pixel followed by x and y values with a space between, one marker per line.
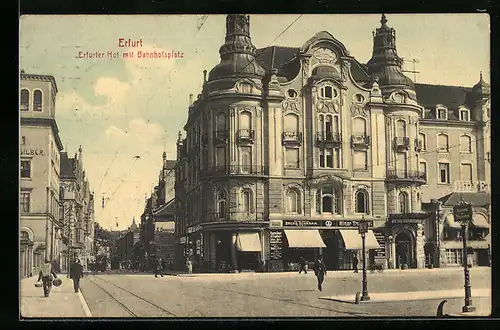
pixel 204 76
pixel 190 99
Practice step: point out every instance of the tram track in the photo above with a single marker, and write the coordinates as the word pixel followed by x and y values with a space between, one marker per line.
pixel 124 306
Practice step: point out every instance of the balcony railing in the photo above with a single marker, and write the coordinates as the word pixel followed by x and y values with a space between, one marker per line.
pixel 221 135
pixel 403 175
pixel 402 142
pixel 235 170
pixel 236 216
pixel 291 138
pixel 247 135
pixel 419 145
pixel 329 138
pixel 360 141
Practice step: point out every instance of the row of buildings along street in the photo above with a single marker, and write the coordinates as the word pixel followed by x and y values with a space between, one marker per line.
pixel 56 201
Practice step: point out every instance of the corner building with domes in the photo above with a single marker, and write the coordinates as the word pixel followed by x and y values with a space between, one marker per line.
pixel 287 149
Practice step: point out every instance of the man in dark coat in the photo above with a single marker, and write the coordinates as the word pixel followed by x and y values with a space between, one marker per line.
pixel 320 272
pixel 158 267
pixel 302 265
pixel 76 273
pixel 45 275
pixel 355 263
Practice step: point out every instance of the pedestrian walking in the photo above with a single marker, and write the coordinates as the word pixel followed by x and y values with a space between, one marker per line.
pixel 158 267
pixel 355 263
pixel 302 265
pixel 45 275
pixel 189 266
pixel 320 272
pixel 76 273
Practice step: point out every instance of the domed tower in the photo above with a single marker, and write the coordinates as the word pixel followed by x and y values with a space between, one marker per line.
pixel 481 113
pixel 403 178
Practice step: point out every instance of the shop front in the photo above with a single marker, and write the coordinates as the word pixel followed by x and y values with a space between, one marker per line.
pixel 26 255
pixel 232 247
pixel 407 240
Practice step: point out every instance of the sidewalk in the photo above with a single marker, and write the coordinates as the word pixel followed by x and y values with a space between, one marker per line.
pixel 331 273
pixel 62 301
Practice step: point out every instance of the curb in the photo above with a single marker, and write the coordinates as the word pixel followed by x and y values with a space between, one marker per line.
pixel 85 306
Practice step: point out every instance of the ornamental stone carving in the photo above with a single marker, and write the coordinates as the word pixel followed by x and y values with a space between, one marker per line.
pixel 346 65
pixel 305 68
pixel 358 110
pixel 290 105
pixel 327 106
pixel 325 55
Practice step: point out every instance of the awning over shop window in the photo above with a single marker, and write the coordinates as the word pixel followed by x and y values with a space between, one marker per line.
pixel 304 239
pixel 450 222
pixel 352 240
pixel 248 242
pixel 479 221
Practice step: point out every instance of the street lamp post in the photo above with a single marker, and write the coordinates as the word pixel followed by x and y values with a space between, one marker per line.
pixel 462 212
pixel 363 229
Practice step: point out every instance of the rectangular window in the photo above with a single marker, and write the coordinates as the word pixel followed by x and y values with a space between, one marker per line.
pixel 464 115
pixel 25 169
pixel 466 172
pixel 423 168
pixel 360 160
pixel 441 114
pixel 322 158
pixel 444 173
pixel 329 158
pixel 220 156
pixel 292 157
pixel 246 158
pixel 25 202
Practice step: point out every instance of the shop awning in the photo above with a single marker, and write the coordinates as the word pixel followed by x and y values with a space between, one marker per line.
pixel 352 240
pixel 248 242
pixel 304 239
pixel 450 222
pixel 479 221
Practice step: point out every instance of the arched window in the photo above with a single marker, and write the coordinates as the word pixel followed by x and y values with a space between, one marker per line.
pixel 361 201
pixel 291 123
pixel 464 115
pixel 328 92
pixel 25 100
pixel 443 145
pixel 403 202
pixel 328 201
pixel 24 235
pixel 359 126
pixel 465 144
pixel 247 201
pixel 328 125
pixel 245 120
pixel 401 128
pixel 292 201
pixel 221 204
pixel 37 100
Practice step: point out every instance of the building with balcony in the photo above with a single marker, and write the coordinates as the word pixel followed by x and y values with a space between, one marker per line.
pixel 39 161
pixel 287 149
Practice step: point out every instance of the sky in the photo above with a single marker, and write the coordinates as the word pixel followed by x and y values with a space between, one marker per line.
pixel 117 109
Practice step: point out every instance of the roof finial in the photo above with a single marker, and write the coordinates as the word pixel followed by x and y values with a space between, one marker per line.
pixel 480 75
pixel 383 20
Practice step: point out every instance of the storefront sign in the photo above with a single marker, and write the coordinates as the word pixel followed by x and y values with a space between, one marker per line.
pixel 301 223
pixel 345 223
pixel 193 229
pixel 406 221
pixel 462 212
pixel 276 244
pixel 380 253
pixel 471 186
pixel 31 152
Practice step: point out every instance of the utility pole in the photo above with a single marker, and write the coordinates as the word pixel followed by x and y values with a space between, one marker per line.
pixel 414 71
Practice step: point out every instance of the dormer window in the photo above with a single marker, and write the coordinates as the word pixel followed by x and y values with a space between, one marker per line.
pixel 464 115
pixel 442 113
pixel 328 92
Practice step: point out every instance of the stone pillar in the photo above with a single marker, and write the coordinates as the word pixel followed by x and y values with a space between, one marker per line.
pixel 212 254
pixel 393 253
pixel 419 247
pixel 234 258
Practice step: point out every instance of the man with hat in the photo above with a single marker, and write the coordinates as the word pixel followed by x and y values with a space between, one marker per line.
pixel 76 273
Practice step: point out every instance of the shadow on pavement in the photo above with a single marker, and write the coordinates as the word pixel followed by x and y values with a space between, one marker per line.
pixel 339 300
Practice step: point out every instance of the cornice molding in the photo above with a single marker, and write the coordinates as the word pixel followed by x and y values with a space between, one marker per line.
pixel 40 77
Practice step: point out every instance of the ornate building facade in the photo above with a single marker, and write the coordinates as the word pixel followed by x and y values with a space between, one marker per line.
pixel 287 149
pixel 40 145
